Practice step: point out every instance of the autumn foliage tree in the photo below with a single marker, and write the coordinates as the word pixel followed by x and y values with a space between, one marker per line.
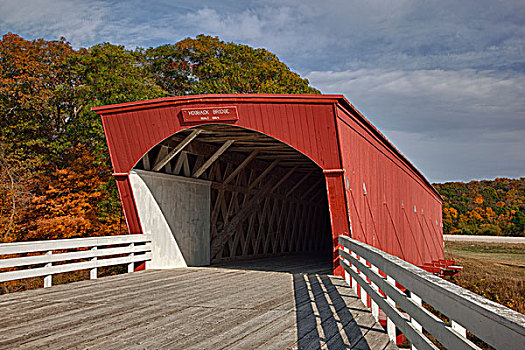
pixel 484 207
pixel 68 202
pixel 34 107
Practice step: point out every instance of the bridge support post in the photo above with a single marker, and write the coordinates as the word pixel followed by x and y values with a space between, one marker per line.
pixel 338 213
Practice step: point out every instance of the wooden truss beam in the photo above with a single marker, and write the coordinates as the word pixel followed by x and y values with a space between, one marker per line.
pixel 241 166
pixel 298 184
pixel 312 187
pixel 163 151
pixel 264 173
pixel 176 150
pixel 229 228
pixel 145 162
pixel 180 161
pixel 213 158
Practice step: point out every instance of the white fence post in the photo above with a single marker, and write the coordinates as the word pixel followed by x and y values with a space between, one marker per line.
pixel 348 278
pixel 48 280
pixel 375 307
pixel 364 295
pixel 131 265
pixel 354 282
pixel 390 325
pixel 459 328
pixel 417 300
pixel 93 273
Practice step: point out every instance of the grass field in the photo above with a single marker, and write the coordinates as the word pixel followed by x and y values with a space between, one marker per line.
pixel 493 270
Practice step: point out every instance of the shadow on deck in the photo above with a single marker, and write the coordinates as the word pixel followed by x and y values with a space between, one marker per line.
pixel 327 311
pixel 279 303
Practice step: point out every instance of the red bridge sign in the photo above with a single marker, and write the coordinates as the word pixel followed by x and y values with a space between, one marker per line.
pixel 210 114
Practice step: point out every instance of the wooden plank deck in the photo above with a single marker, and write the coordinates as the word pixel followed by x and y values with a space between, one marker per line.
pixel 278 303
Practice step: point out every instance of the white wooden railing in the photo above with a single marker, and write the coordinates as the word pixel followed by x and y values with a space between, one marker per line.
pixel 493 323
pixel 51 257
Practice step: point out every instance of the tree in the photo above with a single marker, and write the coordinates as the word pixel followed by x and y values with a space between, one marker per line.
pixel 66 204
pixel 47 90
pixel 484 207
pixel 34 107
pixel 207 65
pixel 109 74
pixel 55 172
pixel 35 98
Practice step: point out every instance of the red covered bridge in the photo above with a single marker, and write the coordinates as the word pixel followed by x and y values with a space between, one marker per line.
pixel 274 192
pixel 279 173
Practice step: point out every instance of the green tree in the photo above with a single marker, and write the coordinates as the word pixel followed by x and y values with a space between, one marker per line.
pixel 109 74
pixel 207 65
pixel 47 90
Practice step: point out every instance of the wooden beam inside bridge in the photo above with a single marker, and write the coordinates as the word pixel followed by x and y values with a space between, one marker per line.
pixel 261 190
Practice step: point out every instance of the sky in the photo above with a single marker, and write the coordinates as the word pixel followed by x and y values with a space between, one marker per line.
pixel 443 80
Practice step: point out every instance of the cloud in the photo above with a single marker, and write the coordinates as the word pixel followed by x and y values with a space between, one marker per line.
pixel 470 121
pixel 498 154
pixel 430 101
pixel 377 34
pixel 245 25
pixel 75 20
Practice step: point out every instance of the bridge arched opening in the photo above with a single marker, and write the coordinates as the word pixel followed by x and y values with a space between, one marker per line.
pixel 229 193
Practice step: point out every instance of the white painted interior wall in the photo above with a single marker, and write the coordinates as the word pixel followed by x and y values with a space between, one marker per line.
pixel 175 210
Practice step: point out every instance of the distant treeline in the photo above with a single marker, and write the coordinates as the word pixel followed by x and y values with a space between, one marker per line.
pixel 484 207
pixel 55 172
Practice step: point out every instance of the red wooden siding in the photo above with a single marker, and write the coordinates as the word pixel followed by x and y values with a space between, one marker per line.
pixel 307 127
pixel 338 216
pixel 398 213
pixel 128 204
